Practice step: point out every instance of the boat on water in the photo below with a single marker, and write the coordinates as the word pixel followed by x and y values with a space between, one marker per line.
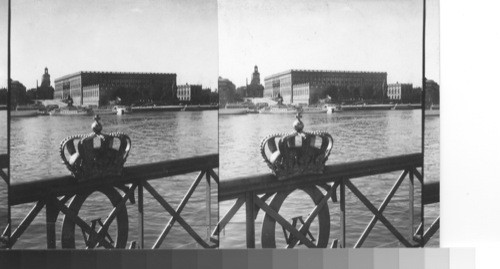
pixel 155 108
pixel 278 110
pixel 233 109
pixel 367 107
pixel 120 110
pixel 24 111
pixel 312 110
pixel 71 111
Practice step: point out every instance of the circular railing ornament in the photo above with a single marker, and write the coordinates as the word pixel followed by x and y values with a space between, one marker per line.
pixel 295 154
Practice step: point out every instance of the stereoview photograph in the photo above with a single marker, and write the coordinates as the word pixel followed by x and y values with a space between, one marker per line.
pixel 321 124
pixel 113 124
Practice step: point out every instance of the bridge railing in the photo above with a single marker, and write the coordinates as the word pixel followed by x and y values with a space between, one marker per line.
pixel 254 191
pixel 64 195
pixel 4 165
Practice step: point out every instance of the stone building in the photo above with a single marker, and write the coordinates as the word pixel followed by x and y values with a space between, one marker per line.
pixel 403 92
pixel 189 93
pixel 255 89
pixel 128 87
pixel 45 78
pixel 338 85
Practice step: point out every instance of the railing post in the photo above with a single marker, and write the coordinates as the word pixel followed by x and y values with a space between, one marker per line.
pixel 411 203
pixel 208 204
pixel 140 210
pixel 342 213
pixel 250 219
pixel 51 213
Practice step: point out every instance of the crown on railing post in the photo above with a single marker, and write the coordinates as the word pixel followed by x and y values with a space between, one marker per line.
pixel 298 152
pixel 95 155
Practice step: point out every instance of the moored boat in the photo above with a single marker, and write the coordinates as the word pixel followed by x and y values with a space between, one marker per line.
pixel 71 111
pixel 24 111
pixel 313 110
pixel 120 110
pixel 233 109
pixel 278 110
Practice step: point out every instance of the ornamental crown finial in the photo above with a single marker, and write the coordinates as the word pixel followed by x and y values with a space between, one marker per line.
pixel 298 152
pixel 95 155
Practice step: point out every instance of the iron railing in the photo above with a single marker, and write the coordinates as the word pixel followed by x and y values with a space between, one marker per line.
pixel 66 195
pixel 254 191
pixel 4 166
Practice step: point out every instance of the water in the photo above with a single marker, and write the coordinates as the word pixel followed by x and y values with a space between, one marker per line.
pixel 357 136
pixel 155 137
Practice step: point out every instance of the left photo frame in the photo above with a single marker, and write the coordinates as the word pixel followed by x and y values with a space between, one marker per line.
pixel 113 124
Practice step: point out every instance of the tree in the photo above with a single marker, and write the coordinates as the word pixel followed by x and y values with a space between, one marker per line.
pixel 3 96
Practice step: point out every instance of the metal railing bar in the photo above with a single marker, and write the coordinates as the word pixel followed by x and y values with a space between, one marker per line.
pixel 381 209
pixel 250 219
pixel 418 175
pixel 174 214
pixel 372 208
pixel 214 175
pixel 266 208
pixel 208 203
pixel 411 203
pixel 104 228
pixel 51 213
pixel 4 161
pixel 78 221
pixel 4 176
pixel 179 209
pixel 431 231
pixel 25 223
pixel 343 242
pixel 32 191
pixel 233 188
pixel 6 230
pixel 140 211
pixel 430 193
pixel 305 227
pixel 229 215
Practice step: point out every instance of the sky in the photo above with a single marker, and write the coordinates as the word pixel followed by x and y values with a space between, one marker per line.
pixel 202 39
pixel 68 36
pixel 351 35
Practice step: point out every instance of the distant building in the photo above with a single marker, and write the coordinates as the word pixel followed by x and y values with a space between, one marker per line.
pixel 189 93
pixel 127 87
pixel 338 85
pixel 227 91
pixel 431 93
pixel 403 92
pixel 45 78
pixel 255 89
pixel 45 90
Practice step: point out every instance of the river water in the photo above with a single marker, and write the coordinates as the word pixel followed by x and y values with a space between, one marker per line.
pixel 155 137
pixel 358 135
pixel 163 136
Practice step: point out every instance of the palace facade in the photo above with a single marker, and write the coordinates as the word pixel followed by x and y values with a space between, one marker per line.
pixel 309 86
pixel 99 88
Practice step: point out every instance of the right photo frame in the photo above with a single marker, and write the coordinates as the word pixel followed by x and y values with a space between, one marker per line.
pixel 328 124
